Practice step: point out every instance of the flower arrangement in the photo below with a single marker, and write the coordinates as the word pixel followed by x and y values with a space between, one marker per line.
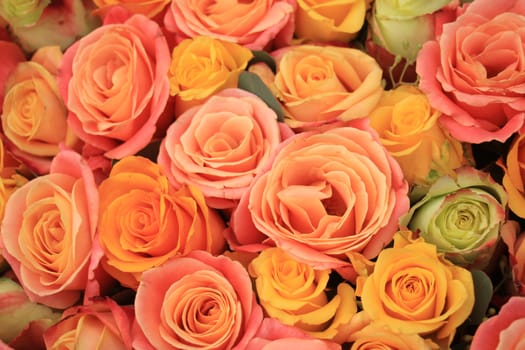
pixel 184 174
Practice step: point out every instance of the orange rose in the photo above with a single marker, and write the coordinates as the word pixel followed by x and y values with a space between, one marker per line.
pixel 149 8
pixel 252 24
pixel 514 177
pixel 48 231
pixel 115 84
pixel 34 115
pixel 325 196
pixel 415 290
pixel 407 126
pixel 296 294
pixel 198 301
pixel 144 221
pixel 322 84
pixel 100 325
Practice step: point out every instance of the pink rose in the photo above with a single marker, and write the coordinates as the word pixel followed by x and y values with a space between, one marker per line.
pixel 503 331
pixel 253 24
pixel 473 73
pixel 115 85
pixel 323 197
pixel 48 231
pixel 196 301
pixel 222 145
pixel 100 325
pixel 274 335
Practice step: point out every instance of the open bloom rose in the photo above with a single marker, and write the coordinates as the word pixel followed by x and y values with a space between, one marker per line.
pixel 504 330
pixel 253 24
pixel 322 84
pixel 514 176
pixel 325 195
pixel 196 301
pixel 202 66
pixel 144 220
pixel 274 335
pixel 415 290
pixel 319 20
pixel 115 84
pixel 408 128
pixel 481 97
pixel 48 231
pixel 296 294
pixel 462 215
pixel 222 145
pixel 100 325
pixel 34 117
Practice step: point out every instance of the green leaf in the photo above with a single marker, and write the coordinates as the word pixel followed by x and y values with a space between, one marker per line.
pixel 264 57
pixel 483 291
pixel 252 83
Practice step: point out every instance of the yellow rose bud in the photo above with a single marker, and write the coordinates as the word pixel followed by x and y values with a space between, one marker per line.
pixel 295 294
pixel 407 126
pixel 202 65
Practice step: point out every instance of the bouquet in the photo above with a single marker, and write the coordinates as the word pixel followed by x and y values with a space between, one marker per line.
pixel 183 174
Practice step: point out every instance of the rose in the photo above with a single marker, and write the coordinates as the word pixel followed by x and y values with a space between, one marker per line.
pixel 514 241
pixel 414 290
pixel 115 84
pixel 221 145
pixel 11 56
pixel 253 24
pixel 514 175
pixel 324 196
pixel 462 215
pixel 21 318
pixel 329 21
pixel 34 116
pixel 48 231
pixel 102 324
pixel 40 23
pixel 144 221
pixel 296 294
pixel 274 335
pixel 481 99
pixel 202 66
pixel 196 301
pixel 322 84
pixel 149 8
pixel 12 176
pixel 504 330
pixel 408 128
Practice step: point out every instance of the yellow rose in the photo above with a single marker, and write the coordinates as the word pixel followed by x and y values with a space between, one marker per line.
pixel 321 20
pixel 374 336
pixel 323 84
pixel 415 290
pixel 408 128
pixel 203 65
pixel 295 294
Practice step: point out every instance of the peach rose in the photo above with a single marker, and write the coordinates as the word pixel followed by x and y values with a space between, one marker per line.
pixel 481 97
pixel 504 330
pixel 34 117
pixel 296 294
pixel 325 196
pixel 408 128
pixel 48 231
pixel 415 290
pixel 148 8
pixel 115 84
pixel 144 221
pixel 319 20
pixel 196 301
pixel 274 335
pixel 514 176
pixel 253 24
pixel 222 145
pixel 100 325
pixel 202 66
pixel 323 84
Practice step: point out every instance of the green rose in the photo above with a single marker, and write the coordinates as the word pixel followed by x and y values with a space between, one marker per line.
pixel 462 216
pixel 19 13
